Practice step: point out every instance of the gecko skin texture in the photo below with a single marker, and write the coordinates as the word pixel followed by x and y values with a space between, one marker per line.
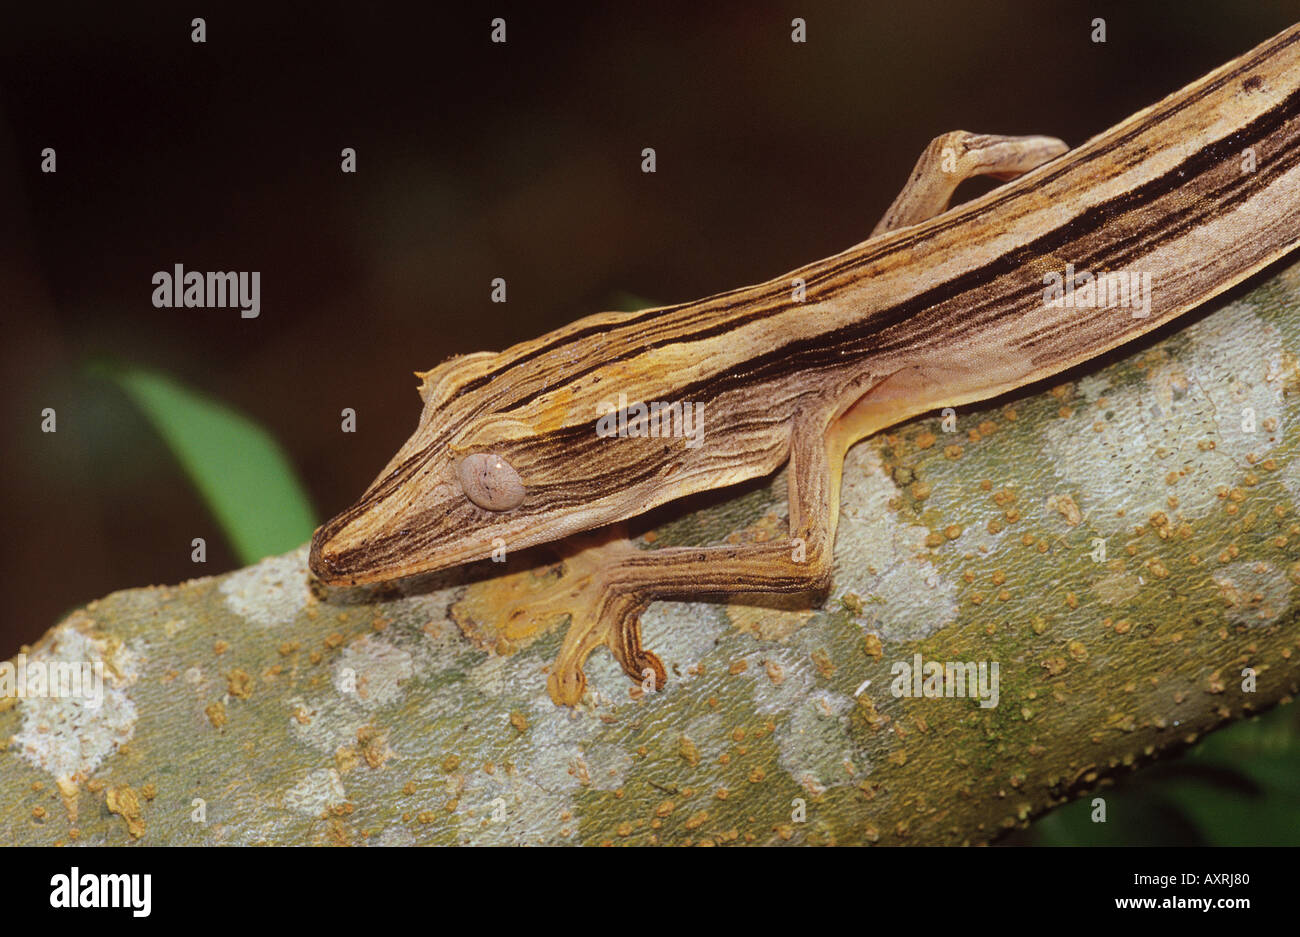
pixel 938 308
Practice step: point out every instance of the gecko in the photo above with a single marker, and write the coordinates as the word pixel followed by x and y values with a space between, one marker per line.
pixel 940 306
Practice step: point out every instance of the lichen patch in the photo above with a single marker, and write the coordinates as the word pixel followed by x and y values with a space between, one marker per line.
pixel 1117 588
pixel 682 634
pixel 372 671
pixel 71 736
pixel 814 744
pixel 271 592
pixel 885 560
pixel 1254 593
pixel 317 792
pixel 1198 418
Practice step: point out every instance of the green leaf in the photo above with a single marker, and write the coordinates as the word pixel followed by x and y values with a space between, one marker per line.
pixel 239 470
pixel 1240 785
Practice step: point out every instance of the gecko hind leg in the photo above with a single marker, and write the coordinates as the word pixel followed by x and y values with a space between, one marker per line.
pixel 953 158
pixel 797 564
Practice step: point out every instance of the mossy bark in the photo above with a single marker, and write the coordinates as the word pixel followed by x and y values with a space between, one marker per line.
pixel 250 708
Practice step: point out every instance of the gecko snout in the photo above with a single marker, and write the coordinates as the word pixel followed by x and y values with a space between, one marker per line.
pixel 374 540
pixel 324 563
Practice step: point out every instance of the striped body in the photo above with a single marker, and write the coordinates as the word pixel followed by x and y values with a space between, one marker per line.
pixel 941 313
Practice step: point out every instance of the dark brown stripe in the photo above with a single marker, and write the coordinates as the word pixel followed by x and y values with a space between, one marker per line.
pixel 1088 221
pixel 711 306
pixel 873 334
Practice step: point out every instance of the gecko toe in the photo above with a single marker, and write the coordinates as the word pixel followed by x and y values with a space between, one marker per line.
pixel 566 684
pixel 637 662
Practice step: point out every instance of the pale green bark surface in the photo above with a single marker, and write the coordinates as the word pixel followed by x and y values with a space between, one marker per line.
pixel 367 717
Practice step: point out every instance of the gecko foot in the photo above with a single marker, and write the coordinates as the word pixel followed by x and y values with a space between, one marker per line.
pixel 615 621
pixel 509 612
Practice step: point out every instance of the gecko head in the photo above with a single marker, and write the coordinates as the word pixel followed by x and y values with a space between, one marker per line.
pixel 484 475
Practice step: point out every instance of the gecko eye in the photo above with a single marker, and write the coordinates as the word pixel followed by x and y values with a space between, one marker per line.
pixel 490 482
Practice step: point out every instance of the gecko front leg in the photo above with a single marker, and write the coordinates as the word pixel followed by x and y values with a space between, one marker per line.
pixel 624 589
pixel 620 591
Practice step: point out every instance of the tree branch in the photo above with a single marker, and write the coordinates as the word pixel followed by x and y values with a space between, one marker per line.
pixel 247 708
